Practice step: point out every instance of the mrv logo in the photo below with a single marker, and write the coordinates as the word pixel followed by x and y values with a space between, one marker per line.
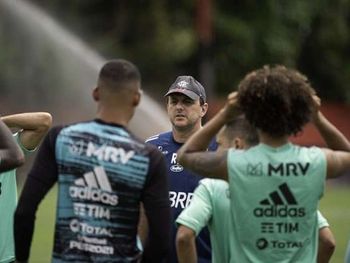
pixel 95 186
pixel 109 153
pixel 287 169
pixel 281 203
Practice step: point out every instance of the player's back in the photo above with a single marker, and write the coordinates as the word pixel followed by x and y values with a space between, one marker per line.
pixel 274 198
pixel 102 170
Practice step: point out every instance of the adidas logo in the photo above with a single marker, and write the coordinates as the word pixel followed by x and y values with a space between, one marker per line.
pixel 281 203
pixel 94 186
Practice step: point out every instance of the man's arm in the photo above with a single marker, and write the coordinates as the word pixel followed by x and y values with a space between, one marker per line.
pixel 192 155
pixel 155 199
pixel 338 163
pixel 32 125
pixel 11 155
pixel 186 245
pixel 41 178
pixel 338 159
pixel 191 221
pixel 326 244
pixel 334 139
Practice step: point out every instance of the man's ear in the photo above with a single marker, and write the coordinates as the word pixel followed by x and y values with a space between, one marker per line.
pixel 136 98
pixel 238 143
pixel 96 94
pixel 204 109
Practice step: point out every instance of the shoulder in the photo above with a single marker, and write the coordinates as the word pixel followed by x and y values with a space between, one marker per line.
pixel 160 138
pixel 312 152
pixel 213 184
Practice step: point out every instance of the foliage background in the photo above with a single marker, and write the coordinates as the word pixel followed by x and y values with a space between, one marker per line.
pixel 164 39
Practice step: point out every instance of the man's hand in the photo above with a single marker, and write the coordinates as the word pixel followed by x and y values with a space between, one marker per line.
pixel 315 115
pixel 231 109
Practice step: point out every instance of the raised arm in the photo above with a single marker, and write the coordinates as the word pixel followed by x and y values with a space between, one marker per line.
pixel 11 155
pixel 193 153
pixel 338 154
pixel 40 179
pixel 32 125
pixel 334 139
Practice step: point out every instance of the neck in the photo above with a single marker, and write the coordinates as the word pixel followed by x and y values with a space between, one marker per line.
pixel 182 135
pixel 272 141
pixel 114 115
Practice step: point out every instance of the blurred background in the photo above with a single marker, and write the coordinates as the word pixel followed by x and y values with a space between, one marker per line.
pixel 51 52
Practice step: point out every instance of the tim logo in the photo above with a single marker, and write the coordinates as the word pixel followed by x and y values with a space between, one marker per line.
pixel 280 203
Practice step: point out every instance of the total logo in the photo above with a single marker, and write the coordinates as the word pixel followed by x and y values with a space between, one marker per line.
pixel 263 243
pixel 280 203
pixel 94 186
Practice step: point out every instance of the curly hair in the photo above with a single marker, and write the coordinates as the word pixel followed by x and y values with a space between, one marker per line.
pixel 276 100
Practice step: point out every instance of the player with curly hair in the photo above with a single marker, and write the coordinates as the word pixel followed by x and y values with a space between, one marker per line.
pixel 275 186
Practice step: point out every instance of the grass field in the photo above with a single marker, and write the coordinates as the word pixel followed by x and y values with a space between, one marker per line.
pixel 335 206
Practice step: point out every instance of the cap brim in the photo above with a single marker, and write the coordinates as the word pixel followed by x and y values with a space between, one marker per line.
pixel 185 92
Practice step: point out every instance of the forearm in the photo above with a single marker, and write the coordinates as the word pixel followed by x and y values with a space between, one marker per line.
pixel 326 245
pixel 334 139
pixel 200 140
pixel 28 120
pixel 24 218
pixel 11 155
pixel 158 243
pixel 186 245
pixel 143 226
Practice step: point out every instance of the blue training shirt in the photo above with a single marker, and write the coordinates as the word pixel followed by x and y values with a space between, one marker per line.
pixel 103 173
pixel 182 185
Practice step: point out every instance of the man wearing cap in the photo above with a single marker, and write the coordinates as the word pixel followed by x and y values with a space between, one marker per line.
pixel 186 106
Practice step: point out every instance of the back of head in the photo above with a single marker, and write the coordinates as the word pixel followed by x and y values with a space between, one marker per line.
pixel 118 74
pixel 276 100
pixel 241 128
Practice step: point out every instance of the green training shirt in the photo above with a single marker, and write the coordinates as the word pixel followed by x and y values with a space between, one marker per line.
pixel 210 207
pixel 8 202
pixel 274 197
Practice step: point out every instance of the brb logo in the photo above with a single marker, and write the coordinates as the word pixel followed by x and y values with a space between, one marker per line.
pixel 180 199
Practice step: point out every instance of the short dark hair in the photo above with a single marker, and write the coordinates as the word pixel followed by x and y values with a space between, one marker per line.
pixel 240 127
pixel 276 100
pixel 118 73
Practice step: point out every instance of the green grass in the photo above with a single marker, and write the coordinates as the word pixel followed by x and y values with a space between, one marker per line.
pixel 334 206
